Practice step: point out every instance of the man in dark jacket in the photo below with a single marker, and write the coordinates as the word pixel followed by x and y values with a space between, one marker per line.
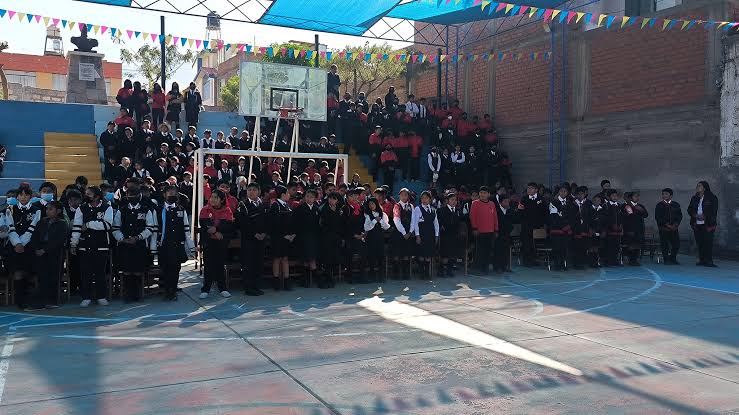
pixel 533 213
pixel 703 210
pixel 251 218
pixel 668 215
pixel 634 214
pixel 49 239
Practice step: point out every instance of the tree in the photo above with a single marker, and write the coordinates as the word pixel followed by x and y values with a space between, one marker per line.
pixel 368 77
pixel 3 80
pixel 148 61
pixel 288 59
pixel 230 94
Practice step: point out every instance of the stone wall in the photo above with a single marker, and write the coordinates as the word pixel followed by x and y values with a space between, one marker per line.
pixel 20 93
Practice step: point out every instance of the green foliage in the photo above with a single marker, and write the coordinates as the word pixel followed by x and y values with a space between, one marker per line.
pixel 3 45
pixel 287 59
pixel 230 94
pixel 148 61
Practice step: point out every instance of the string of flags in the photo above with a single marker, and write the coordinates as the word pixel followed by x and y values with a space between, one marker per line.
pixel 200 44
pixel 565 16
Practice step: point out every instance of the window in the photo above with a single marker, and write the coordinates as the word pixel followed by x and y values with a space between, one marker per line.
pixel 59 82
pixel 666 4
pixel 20 77
pixel 107 87
pixel 208 91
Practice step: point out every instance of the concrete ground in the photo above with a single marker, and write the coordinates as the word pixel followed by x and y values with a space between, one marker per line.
pixel 648 340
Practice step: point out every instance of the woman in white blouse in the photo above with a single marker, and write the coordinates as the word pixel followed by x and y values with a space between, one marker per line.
pixel 375 225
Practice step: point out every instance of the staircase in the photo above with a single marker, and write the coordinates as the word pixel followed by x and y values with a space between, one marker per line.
pixel 70 155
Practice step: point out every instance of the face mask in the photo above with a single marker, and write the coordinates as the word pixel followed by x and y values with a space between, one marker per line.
pixel 209 164
pixel 108 196
pixel 47 197
pixel 172 199
pixel 35 199
pixel 12 201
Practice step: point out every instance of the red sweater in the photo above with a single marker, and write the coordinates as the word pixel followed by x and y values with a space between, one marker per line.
pixel 483 216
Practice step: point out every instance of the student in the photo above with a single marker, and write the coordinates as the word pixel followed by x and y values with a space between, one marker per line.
pixel 506 218
pixel 307 222
pixel 703 209
pixel 668 215
pixel 484 223
pixel 402 239
pixel 355 235
pixel 451 245
pixel 434 163
pixel 375 224
pixel 91 227
pixel 333 222
pixel 216 223
pixel 282 235
pixel 251 217
pixel 614 228
pixel 605 186
pixel 172 242
pixel 599 231
pixel 425 225
pixel 133 224
pixel 561 221
pixel 533 216
pixel 634 214
pixel 581 233
pixel 388 163
pixel 48 242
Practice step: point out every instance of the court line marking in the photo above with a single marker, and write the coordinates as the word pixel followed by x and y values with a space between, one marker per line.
pixel 602 277
pixel 157 339
pixel 696 287
pixel 14 323
pixel 5 360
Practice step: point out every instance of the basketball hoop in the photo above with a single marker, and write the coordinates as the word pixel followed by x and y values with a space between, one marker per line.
pixel 286 112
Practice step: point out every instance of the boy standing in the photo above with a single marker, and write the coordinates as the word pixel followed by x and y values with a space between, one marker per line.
pixel 668 215
pixel 614 227
pixel 533 216
pixel 634 215
pixel 49 240
pixel 484 221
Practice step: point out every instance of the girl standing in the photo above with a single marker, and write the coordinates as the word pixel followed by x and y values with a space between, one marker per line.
pixel 703 209
pixel 216 222
pixel 426 228
pixel 282 235
pixel 375 225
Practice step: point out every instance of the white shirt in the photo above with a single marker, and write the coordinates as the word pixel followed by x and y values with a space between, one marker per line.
pixel 418 218
pixel 434 168
pixel 534 196
pixel 700 212
pixel 412 108
pixel 422 111
pixel 396 219
pixel 369 222
pixel 458 157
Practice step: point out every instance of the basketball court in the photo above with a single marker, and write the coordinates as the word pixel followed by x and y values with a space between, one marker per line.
pixel 652 339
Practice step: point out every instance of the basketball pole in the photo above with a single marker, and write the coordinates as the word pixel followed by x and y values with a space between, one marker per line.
pixel 274 138
pixel 255 143
pixel 293 147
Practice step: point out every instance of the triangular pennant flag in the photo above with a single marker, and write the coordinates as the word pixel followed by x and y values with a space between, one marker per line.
pixel 690 25
pixel 533 10
pixel 501 6
pixel 342 54
pixel 644 22
pixel 652 22
pixel 2 12
pixel 38 18
pixel 624 20
pixel 665 22
pixel 130 33
pixel 183 40
pixel 197 44
pixel 190 42
pixel 442 58
pixel 30 17
pixel 72 24
pixel 501 56
pixel 540 13
pixel 523 10
pixel 555 13
pixel 455 58
pixel 103 29
pixel 55 21
pixel 248 48
pixel 174 39
pixel 206 43
pixel 11 14
pixel 547 14
pixel 421 58
pixel 82 26
pixel 349 56
pixel 710 24
pixel 144 35
pixel 283 51
pixel 600 19
pixel 96 29
pixel 379 56
pixel 672 24
pixel 386 57
pixel 579 17
pixel 89 27
pixel 515 9
pixel 609 21
pixel 21 16
pixel 508 8
pixel 309 54
pixel 153 37
pixel 726 28
pixel 46 21
pixel 589 18
pixel 228 46
pixel 685 24
pixel 64 23
pixel 329 55
pixel 485 3
pixel 570 16
pixel 722 24
pixel 367 57
pixel 563 16
pixel 493 5
pixel 262 50
pixel 271 51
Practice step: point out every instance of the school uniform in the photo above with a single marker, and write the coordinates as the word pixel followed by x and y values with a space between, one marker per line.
pixel 581 233
pixel 22 221
pixel 281 224
pixel 94 246
pixel 599 232
pixel 402 219
pixel 561 221
pixel 451 244
pixel 251 217
pixel 506 219
pixel 141 174
pixel 614 232
pixel 172 244
pixel 307 221
pixel 704 229
pixel 633 215
pixel 225 175
pixel 160 173
pixel 137 221
pixel 51 236
pixel 215 250
pixel 426 225
pixel 668 216
pixel 333 224
pixel 375 225
pixel 533 216
pixel 484 221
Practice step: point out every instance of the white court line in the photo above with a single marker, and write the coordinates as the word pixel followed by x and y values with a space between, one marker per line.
pixel 146 339
pixel 697 287
pixel 657 283
pixel 351 334
pixel 64 323
pixel 13 323
pixel 5 361
pixel 599 279
pixel 325 320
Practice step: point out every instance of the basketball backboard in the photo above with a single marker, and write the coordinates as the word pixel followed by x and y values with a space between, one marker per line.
pixel 267 87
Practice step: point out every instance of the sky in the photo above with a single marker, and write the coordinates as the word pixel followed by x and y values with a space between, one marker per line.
pixel 29 37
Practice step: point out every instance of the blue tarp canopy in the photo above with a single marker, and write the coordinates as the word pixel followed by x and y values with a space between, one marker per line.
pixel 111 2
pixel 441 12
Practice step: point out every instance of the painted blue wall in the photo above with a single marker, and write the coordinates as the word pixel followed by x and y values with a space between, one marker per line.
pixel 22 128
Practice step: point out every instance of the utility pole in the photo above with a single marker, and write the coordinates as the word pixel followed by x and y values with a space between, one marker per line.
pixel 164 55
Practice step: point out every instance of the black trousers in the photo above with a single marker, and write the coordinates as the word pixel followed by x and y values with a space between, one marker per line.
pixel 484 250
pixel 704 240
pixel 170 265
pixel 252 262
pixel 613 244
pixel 94 264
pixel 528 250
pixel 580 251
pixel 157 116
pixel 632 248
pixel 414 167
pixel 561 250
pixel 49 271
pixel 670 243
pixel 502 259
pixel 214 259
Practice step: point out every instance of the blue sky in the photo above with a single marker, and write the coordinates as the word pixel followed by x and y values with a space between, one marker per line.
pixel 29 37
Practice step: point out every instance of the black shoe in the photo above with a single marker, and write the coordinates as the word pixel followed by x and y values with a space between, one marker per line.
pixel 253 292
pixel 170 297
pixel 33 308
pixel 288 285
pixel 51 306
pixel 276 284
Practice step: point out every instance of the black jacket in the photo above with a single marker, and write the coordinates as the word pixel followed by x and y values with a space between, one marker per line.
pixel 710 210
pixel 251 220
pixel 634 216
pixel 533 212
pixel 668 216
pixel 50 236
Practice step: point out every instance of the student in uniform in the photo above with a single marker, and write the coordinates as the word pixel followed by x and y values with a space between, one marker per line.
pixel 506 218
pixel 91 227
pixel 614 228
pixel 49 240
pixel 425 225
pixel 634 214
pixel 581 234
pixel 703 209
pixel 561 221
pixel 133 224
pixel 533 216
pixel 216 223
pixel 451 245
pixel 402 240
pixel 375 224
pixel 172 242
pixel 282 235
pixel 22 220
pixel 333 222
pixel 355 235
pixel 484 224
pixel 599 231
pixel 307 222
pixel 251 217
pixel 668 215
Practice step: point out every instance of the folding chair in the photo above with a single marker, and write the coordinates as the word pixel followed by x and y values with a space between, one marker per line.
pixel 542 249
pixel 651 244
